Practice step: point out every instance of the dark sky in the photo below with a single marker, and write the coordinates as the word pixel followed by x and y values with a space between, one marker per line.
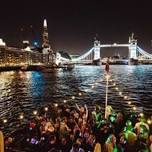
pixel 73 24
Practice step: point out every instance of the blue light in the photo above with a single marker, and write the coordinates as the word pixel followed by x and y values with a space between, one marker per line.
pixel 36 43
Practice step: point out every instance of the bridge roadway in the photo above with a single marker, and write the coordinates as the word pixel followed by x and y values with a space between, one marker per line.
pixel 112 61
pixel 102 61
pixel 114 45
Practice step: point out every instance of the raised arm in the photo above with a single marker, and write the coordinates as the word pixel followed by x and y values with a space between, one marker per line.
pixel 77 106
pixel 86 108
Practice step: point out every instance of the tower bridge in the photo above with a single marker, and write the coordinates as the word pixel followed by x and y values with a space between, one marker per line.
pixel 135 53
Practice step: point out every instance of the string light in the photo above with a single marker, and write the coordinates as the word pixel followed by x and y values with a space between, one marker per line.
pixel 129 102
pixel 73 97
pixel 141 114
pixel 92 87
pixel 120 93
pixel 107 76
pixel 80 94
pixel 56 105
pixel 4 120
pixel 35 112
pixel 114 84
pixel 134 108
pixel 125 97
pixel 64 101
pixel 46 108
pixel 116 88
pixel 149 121
pixel 21 116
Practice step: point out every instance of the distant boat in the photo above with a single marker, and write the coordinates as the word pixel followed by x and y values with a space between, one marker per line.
pixel 133 61
pixel 31 68
pixel 49 69
pixel 68 67
pixel 96 62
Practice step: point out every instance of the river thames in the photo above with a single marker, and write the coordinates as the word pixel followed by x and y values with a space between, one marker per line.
pixel 23 92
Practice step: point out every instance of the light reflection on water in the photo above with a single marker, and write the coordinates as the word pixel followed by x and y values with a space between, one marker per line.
pixel 26 91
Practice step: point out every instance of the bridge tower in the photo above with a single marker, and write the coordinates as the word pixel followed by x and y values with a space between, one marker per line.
pixel 132 47
pixel 96 50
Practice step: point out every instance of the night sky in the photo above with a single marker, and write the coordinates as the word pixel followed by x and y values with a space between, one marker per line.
pixel 73 24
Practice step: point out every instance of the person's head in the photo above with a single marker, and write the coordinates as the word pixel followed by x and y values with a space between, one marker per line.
pixel 58 119
pixel 10 140
pixel 57 125
pixel 82 109
pixel 76 115
pixel 150 139
pixel 63 141
pixel 111 139
pixel 59 111
pixel 67 110
pixel 120 116
pixel 71 120
pixel 52 139
pixel 122 139
pixel 80 120
pixel 91 139
pixel 72 137
pixel 65 119
pixel 79 141
pixel 53 150
pixel 75 147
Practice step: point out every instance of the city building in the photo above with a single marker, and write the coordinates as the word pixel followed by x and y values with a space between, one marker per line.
pixel 10 57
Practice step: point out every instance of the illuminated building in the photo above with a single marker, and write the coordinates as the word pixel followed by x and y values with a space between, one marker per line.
pixel 18 57
pixel 48 56
pixel 10 57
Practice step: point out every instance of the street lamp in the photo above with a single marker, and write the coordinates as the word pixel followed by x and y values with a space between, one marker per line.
pixel 106 100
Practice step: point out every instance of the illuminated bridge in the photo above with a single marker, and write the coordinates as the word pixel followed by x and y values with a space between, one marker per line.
pixel 94 54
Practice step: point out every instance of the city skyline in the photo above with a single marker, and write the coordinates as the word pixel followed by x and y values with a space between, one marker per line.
pixel 73 25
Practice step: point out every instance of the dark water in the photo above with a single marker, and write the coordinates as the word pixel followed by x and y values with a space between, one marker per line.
pixel 23 92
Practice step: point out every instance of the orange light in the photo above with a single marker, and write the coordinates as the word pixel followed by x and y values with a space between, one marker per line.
pixel 125 97
pixel 21 117
pixel 80 94
pixel 73 97
pixel 35 112
pixel 4 120
pixel 129 102
pixel 46 108
pixel 64 101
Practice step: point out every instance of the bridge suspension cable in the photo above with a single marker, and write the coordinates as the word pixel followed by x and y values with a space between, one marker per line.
pixel 144 53
pixel 64 59
pixel 84 55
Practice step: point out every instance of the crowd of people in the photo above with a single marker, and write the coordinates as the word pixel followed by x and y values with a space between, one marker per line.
pixel 66 128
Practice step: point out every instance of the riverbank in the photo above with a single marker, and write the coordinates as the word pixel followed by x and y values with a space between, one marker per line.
pixel 35 67
pixel 9 68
